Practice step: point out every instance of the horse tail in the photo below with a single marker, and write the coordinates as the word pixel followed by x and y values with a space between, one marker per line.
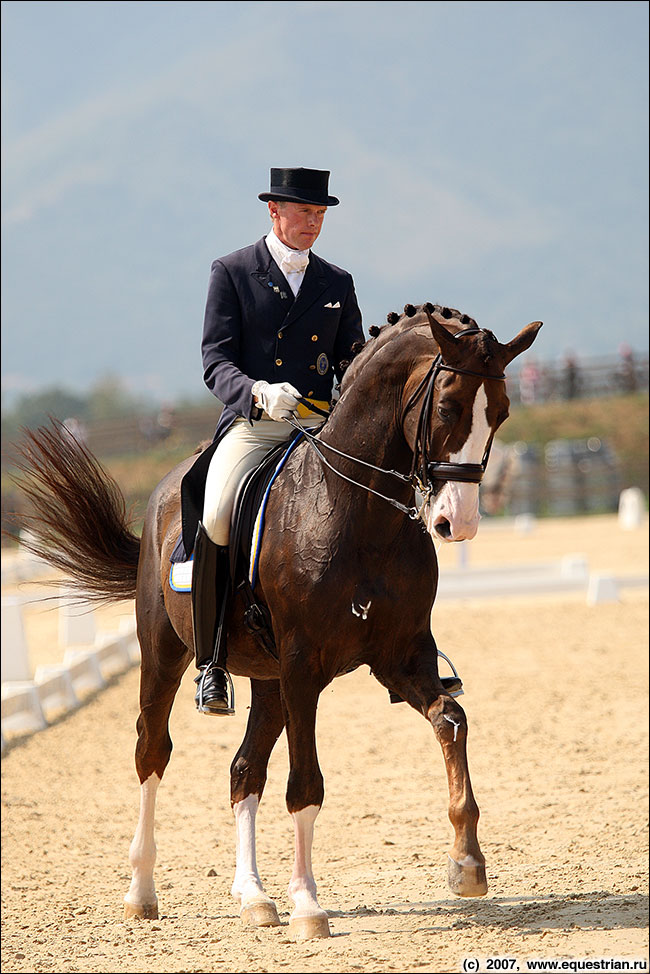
pixel 78 522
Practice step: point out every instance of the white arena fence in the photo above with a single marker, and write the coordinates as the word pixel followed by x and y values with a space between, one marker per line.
pixel 31 701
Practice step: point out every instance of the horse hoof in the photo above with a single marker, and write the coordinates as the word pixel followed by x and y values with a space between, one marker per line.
pixel 144 911
pixel 262 914
pixel 468 880
pixel 309 927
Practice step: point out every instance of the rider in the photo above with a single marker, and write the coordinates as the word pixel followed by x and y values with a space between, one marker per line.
pixel 278 323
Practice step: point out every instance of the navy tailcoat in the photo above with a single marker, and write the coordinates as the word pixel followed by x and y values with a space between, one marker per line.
pixel 255 329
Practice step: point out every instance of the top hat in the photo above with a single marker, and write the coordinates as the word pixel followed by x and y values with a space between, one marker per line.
pixel 300 186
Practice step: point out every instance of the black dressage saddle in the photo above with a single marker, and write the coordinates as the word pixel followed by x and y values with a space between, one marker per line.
pixel 248 511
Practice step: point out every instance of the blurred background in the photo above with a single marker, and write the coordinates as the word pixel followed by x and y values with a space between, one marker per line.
pixel 488 156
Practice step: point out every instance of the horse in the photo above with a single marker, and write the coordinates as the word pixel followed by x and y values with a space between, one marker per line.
pixel 351 521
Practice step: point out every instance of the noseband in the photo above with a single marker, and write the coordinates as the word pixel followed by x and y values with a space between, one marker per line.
pixel 424 472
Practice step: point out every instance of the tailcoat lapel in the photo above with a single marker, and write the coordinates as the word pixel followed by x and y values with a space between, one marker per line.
pixel 270 277
pixel 314 283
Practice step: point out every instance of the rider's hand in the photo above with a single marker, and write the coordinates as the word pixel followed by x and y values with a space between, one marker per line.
pixel 279 400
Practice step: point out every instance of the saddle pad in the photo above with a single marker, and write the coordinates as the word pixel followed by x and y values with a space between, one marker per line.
pixel 180 575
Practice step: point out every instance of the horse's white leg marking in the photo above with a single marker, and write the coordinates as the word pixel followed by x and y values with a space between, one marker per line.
pixel 247 885
pixel 302 888
pixel 457 503
pixel 141 896
pixel 256 907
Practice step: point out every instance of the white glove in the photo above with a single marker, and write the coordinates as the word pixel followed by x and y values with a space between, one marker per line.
pixel 279 400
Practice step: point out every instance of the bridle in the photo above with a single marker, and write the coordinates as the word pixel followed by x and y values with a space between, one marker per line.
pixel 424 472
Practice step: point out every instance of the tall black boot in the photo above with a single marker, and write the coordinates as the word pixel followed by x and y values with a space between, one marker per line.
pixel 210 592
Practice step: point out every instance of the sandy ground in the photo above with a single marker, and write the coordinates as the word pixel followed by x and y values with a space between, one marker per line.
pixel 556 698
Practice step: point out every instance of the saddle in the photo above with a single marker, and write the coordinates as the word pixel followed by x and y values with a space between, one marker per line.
pixel 246 529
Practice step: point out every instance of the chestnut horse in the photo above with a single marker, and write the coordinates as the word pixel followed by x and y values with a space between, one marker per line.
pixel 343 544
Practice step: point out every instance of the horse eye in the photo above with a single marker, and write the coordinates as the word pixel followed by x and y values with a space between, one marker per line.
pixel 446 413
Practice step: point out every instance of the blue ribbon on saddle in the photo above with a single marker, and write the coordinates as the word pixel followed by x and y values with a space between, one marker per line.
pixel 258 527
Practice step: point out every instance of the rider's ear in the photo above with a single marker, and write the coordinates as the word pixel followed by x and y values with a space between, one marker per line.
pixel 522 341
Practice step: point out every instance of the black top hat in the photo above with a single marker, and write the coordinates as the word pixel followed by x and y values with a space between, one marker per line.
pixel 300 186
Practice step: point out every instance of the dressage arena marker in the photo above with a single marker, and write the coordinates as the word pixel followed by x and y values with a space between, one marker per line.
pixel 602 588
pixel 631 508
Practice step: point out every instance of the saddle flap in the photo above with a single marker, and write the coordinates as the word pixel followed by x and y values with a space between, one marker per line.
pixel 249 498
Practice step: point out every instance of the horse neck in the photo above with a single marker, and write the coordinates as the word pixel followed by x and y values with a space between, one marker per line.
pixel 366 425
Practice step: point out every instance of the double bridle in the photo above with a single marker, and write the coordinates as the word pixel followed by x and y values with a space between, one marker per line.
pixel 424 472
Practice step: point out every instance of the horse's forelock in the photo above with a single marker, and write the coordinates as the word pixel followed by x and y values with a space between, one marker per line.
pixel 487 347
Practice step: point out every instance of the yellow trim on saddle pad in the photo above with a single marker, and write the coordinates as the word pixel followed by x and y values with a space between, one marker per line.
pixel 304 412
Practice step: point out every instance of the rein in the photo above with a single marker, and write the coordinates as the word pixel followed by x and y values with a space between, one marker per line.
pixel 421 475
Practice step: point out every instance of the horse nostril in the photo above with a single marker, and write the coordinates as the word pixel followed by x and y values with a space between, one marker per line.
pixel 443 528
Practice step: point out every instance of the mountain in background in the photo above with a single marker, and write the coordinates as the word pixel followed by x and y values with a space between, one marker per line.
pixel 488 156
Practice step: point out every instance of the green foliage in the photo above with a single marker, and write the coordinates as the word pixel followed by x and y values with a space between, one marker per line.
pixel 108 400
pixel 34 410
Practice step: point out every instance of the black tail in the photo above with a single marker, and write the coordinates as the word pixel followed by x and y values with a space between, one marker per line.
pixel 78 521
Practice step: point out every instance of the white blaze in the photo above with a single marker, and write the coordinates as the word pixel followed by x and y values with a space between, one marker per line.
pixel 457 503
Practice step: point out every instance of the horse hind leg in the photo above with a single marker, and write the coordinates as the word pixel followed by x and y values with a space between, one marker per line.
pixel 305 792
pixel 141 900
pixel 247 781
pixel 164 660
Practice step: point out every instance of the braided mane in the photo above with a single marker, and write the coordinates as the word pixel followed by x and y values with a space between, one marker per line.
pixel 413 317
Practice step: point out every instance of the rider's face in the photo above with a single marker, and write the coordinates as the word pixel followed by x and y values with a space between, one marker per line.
pixel 297 224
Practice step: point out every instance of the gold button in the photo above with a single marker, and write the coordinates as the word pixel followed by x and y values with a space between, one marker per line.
pixel 278 361
pixel 314 338
pixel 279 334
pixel 313 368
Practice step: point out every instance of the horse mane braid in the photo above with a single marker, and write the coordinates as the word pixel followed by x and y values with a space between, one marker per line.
pixel 412 317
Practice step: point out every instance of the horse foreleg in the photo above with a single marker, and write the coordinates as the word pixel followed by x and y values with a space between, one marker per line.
pixel 247 780
pixel 159 681
pixel 466 863
pixel 304 798
pixel 307 920
pixel 419 685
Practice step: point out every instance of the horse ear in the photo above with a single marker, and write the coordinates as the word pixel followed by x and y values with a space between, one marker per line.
pixel 522 341
pixel 446 341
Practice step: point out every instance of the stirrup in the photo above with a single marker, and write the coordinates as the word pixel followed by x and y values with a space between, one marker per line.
pixel 450 681
pixel 204 708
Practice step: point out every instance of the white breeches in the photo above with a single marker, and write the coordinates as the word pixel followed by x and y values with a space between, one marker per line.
pixel 242 448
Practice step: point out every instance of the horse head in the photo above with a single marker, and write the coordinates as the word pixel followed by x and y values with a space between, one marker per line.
pixel 451 410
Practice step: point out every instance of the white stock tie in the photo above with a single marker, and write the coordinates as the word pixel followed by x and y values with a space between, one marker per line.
pixel 295 263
